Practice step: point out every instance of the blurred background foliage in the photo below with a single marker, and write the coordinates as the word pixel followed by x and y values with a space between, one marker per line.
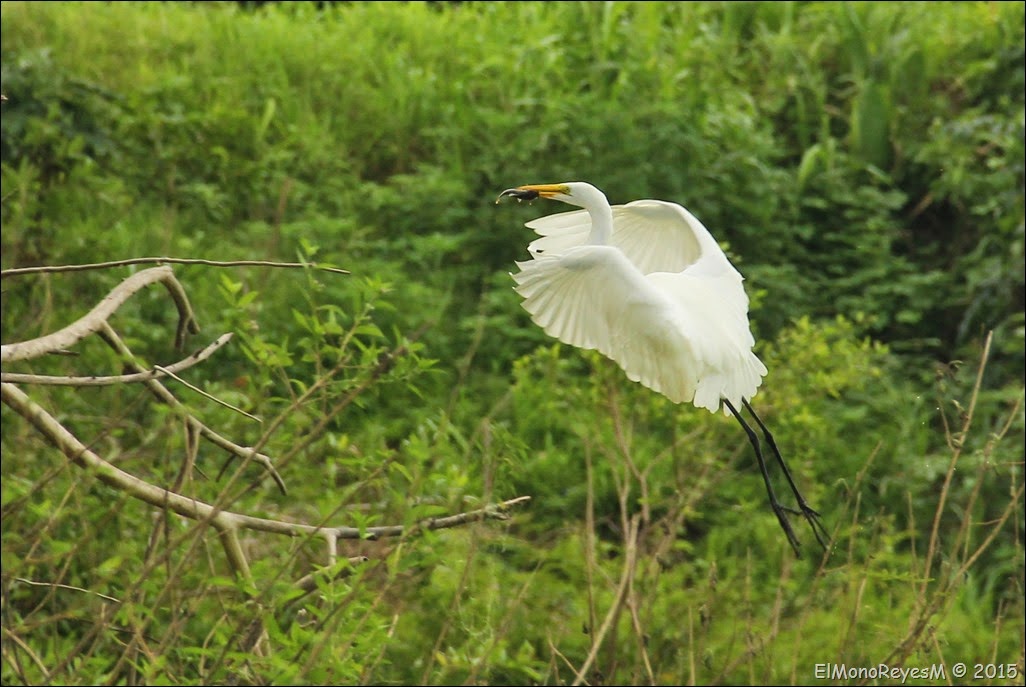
pixel 862 163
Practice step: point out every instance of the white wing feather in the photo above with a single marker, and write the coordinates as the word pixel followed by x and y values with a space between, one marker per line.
pixel 592 297
pixel 654 235
pixel 662 301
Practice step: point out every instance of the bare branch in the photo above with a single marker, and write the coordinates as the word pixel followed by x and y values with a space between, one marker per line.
pixel 49 269
pixel 13 637
pixel 498 511
pixel 630 560
pixel 156 373
pixel 98 316
pixel 201 392
pixel 78 453
pixel 160 391
pixel 57 585
pixel 194 509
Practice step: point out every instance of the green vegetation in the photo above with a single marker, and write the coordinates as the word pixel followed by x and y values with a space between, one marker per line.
pixel 861 162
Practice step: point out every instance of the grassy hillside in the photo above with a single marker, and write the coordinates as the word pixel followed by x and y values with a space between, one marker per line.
pixel 861 163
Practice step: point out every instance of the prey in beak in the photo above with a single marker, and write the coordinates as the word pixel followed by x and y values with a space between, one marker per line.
pixel 520 195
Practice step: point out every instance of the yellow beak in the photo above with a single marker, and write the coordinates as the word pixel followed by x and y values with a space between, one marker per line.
pixel 545 190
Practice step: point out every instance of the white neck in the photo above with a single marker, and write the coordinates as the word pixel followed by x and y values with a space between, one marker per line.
pixel 601 224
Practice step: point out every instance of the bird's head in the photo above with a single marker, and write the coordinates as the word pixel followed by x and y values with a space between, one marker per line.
pixel 577 193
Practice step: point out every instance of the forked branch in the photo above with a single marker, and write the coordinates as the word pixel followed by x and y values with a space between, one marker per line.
pixel 94 320
pixel 194 509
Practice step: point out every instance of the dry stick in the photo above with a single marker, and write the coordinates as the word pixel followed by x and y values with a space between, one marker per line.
pixel 453 606
pixel 192 445
pixel 195 509
pixel 901 652
pixel 78 453
pixel 98 316
pixel 40 665
pixel 96 322
pixel 70 556
pixel 786 568
pixel 622 443
pixel 928 610
pixel 331 537
pixel 614 610
pixel 452 612
pixel 385 362
pixel 590 561
pixel 515 602
pixel 956 453
pixel 685 499
pixel 57 585
pixel 86 646
pixel 201 392
pixel 753 645
pixel 327 632
pixel 640 520
pixel 229 534
pixel 639 633
pixel 160 391
pixel 49 269
pixel 109 380
pixel 556 653
pixel 985 544
pixel 691 646
pixel 821 571
pixel 335 615
pixel 962 538
pixel 225 522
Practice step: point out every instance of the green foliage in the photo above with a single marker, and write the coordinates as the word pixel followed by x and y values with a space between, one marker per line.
pixel 862 164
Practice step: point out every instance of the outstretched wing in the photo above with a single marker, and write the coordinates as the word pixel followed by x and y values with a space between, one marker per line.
pixel 656 236
pixel 592 297
pixel 682 334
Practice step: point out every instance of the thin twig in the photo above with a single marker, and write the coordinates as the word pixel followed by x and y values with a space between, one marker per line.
pixel 956 453
pixel 57 585
pixel 630 557
pixel 30 652
pixel 156 373
pixel 49 269
pixel 108 334
pixel 201 392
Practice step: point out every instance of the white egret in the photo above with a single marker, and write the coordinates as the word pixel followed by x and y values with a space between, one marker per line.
pixel 646 285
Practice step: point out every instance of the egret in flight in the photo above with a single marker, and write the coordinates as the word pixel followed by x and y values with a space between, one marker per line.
pixel 646 285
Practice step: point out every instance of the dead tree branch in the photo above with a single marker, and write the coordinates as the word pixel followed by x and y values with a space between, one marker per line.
pixel 93 321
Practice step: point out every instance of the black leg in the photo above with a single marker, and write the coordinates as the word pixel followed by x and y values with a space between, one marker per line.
pixel 778 509
pixel 822 536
